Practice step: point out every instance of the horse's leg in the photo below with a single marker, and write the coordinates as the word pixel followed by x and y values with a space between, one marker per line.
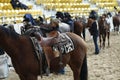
pixel 28 77
pixel 114 28
pixel 31 77
pixel 83 32
pixel 108 36
pixel 100 40
pixel 22 77
pixel 80 72
pixel 76 71
pixel 75 67
pixel 103 43
pixel 118 28
pixel 104 39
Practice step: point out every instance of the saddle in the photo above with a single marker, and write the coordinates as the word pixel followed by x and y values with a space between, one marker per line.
pixel 60 45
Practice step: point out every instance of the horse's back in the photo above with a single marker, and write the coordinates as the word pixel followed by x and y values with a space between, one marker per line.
pixel 116 20
pixel 78 41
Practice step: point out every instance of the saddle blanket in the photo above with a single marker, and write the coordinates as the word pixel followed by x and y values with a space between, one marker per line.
pixel 64 44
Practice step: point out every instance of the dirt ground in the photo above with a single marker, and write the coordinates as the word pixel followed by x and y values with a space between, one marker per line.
pixel 104 66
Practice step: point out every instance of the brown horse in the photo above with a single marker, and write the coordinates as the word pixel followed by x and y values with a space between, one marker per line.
pixel 78 27
pixel 116 22
pixel 27 66
pixel 104 31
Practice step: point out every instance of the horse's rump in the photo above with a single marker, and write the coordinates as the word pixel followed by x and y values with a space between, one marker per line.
pixel 116 21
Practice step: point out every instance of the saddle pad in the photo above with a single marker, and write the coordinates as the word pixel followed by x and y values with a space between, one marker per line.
pixel 64 44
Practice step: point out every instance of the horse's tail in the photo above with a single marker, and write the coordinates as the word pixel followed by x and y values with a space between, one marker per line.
pixel 84 70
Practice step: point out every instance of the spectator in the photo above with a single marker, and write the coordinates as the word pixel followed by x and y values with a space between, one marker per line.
pixel 16 4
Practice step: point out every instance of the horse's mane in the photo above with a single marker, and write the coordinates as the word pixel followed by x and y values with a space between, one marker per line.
pixel 9 32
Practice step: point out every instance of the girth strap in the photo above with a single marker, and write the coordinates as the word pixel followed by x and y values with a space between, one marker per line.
pixel 38 51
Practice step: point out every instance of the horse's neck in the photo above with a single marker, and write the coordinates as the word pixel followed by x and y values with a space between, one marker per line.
pixel 8 45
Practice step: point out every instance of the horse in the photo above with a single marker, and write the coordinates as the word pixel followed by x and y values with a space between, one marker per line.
pixel 104 31
pixel 116 22
pixel 28 67
pixel 82 20
pixel 64 27
pixel 76 26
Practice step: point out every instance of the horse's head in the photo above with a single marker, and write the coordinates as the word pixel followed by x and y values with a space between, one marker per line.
pixel 54 23
pixel 89 22
pixel 102 18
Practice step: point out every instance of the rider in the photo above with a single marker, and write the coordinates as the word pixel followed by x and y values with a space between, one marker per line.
pixel 94 30
pixel 84 21
pixel 68 20
pixel 27 24
pixel 60 16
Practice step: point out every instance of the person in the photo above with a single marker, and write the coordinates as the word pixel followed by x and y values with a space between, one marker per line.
pixel 119 13
pixel 41 20
pixel 27 25
pixel 17 4
pixel 94 32
pixel 69 21
pixel 3 64
pixel 84 21
pixel 115 10
pixel 66 18
pixel 30 18
pixel 60 16
pixel 107 19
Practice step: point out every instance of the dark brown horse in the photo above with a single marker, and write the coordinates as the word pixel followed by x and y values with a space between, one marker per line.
pixel 104 31
pixel 27 66
pixel 116 22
